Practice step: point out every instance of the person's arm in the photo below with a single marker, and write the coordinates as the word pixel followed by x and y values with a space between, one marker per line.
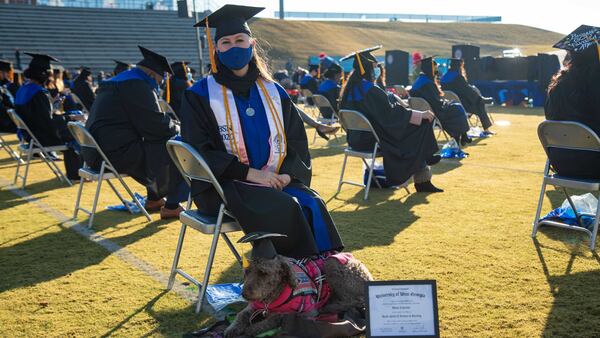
pixel 297 163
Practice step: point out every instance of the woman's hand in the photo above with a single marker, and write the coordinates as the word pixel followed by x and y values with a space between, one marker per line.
pixel 266 178
pixel 428 115
pixel 286 180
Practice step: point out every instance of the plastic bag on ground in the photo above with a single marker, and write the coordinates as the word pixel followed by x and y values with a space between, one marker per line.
pixel 134 208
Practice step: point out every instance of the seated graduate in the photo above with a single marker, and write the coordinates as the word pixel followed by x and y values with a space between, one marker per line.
pixel 34 105
pixel 407 140
pixel 330 89
pixel 8 91
pixel 452 116
pixel 574 95
pixel 178 83
pixel 128 124
pixel 455 80
pixel 82 87
pixel 120 67
pixel 250 134
pixel 310 80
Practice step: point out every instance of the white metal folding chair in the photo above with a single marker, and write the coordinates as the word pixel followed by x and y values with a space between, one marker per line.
pixel 452 96
pixel 77 100
pixel 193 167
pixel 321 101
pixel 419 103
pixel 35 147
pixel 352 120
pixel 106 173
pixel 4 145
pixel 308 101
pixel 571 136
pixel 167 109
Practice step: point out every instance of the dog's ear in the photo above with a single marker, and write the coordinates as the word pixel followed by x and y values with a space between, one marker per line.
pixel 287 273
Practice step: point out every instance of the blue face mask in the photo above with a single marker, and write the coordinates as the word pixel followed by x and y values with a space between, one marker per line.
pixel 189 76
pixel 236 57
pixel 376 73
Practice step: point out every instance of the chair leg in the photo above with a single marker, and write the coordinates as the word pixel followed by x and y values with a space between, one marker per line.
pixel 114 189
pixel 314 137
pixel 539 210
pixel 18 167
pixel 368 185
pixel 135 200
pixel 96 196
pixel 342 174
pixel 595 228
pixel 27 163
pixel 78 200
pixel 232 248
pixel 176 259
pixel 211 258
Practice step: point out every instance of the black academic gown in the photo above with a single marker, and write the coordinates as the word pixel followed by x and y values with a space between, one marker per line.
pixel 256 208
pixel 131 130
pixel 570 101
pixel 8 92
pixel 453 118
pixel 83 89
pixel 405 147
pixel 177 87
pixel 471 100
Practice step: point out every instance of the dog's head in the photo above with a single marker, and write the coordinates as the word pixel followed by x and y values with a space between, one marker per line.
pixel 265 279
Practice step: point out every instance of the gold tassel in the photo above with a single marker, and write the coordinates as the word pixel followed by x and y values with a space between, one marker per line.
pixel 360 65
pixel 319 72
pixel 245 263
pixel 168 89
pixel 598 46
pixel 211 50
pixel 343 78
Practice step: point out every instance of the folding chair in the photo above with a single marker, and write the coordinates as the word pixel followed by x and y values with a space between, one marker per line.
pixel 421 104
pixel 78 101
pixel 106 173
pixel 576 137
pixel 35 147
pixel 307 97
pixel 4 145
pixel 193 167
pixel 452 96
pixel 353 120
pixel 321 101
pixel 167 109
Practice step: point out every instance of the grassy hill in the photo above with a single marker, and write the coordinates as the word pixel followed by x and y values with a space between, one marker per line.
pixel 299 39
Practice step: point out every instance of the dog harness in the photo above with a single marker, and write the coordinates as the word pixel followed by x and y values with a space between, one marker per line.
pixel 311 292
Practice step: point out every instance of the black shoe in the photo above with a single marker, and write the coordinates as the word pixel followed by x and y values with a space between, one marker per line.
pixel 427 187
pixel 433 160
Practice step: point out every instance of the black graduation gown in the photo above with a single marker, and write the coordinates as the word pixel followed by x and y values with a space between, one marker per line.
pixel 453 118
pixel 404 146
pixel 83 89
pixel 570 101
pixel 331 91
pixel 7 97
pixel 131 130
pixel 177 87
pixel 469 97
pixel 256 208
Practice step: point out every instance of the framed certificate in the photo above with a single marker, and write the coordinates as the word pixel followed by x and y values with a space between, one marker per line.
pixel 402 309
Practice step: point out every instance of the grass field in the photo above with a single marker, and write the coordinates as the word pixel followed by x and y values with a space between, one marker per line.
pixel 474 240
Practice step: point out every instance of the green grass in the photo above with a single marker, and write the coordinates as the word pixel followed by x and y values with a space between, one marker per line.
pixel 474 239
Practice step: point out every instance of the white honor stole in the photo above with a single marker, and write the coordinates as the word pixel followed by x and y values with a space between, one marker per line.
pixel 223 106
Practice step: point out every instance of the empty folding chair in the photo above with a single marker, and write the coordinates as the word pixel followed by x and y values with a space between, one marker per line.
pixel 452 96
pixel 307 99
pixel 583 146
pixel 106 173
pixel 419 103
pixel 35 147
pixel 4 145
pixel 321 101
pixel 78 101
pixel 167 109
pixel 355 121
pixel 193 167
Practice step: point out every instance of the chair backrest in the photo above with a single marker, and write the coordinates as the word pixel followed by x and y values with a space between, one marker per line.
pixel 306 92
pixel 85 139
pixel 418 103
pixel 568 135
pixel 321 101
pixel 166 108
pixel 452 96
pixel 192 165
pixel 18 121
pixel 77 100
pixel 353 120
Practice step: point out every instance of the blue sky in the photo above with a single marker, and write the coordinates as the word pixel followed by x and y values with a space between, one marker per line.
pixel 558 16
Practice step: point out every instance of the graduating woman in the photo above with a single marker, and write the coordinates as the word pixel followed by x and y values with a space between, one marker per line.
pixel 452 116
pixel 178 83
pixel 330 89
pixel 455 80
pixel 253 139
pixel 407 140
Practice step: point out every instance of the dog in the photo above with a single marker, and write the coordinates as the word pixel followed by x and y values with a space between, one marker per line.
pixel 280 286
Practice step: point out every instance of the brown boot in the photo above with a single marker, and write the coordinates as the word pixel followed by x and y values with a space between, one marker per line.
pixel 170 213
pixel 152 206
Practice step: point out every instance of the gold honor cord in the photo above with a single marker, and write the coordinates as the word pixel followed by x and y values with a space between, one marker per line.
pixel 211 50
pixel 232 141
pixel 278 123
pixel 168 89
pixel 360 65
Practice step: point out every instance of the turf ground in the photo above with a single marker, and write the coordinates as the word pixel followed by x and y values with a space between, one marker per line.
pixel 58 280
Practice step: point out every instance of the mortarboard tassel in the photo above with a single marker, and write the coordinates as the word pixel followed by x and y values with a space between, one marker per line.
pixel 211 50
pixel 245 263
pixel 11 74
pixel 343 78
pixel 168 89
pixel 360 65
pixel 598 47
pixel 319 72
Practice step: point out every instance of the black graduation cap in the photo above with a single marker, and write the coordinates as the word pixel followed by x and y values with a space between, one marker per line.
pixel 581 39
pixel 121 66
pixel 313 67
pixel 333 69
pixel 6 65
pixel 41 61
pixel 85 71
pixel 261 243
pixel 455 64
pixel 364 56
pixel 229 20
pixel 180 69
pixel 428 66
pixel 155 61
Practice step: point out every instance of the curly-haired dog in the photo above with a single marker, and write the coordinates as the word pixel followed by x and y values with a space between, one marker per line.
pixel 280 285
